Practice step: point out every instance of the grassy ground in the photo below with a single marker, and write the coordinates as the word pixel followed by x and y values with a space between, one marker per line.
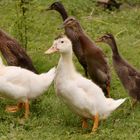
pixel 50 118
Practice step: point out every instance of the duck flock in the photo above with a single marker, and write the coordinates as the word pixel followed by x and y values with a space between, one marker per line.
pixel 88 96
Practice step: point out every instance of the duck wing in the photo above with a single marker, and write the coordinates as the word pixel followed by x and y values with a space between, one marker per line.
pixel 89 87
pixel 12 90
pixel 129 77
pixel 8 55
pixel 134 79
pixel 22 59
pixel 16 75
pixel 98 68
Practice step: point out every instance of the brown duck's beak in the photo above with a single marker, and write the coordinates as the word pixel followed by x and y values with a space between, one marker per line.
pixel 98 40
pixel 51 50
pixel 47 9
pixel 61 26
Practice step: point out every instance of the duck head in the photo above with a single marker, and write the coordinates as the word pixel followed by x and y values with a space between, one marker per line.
pixel 55 6
pixel 61 44
pixel 107 38
pixel 110 40
pixel 72 23
pixel 58 6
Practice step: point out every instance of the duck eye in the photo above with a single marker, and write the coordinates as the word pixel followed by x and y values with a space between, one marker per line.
pixel 62 41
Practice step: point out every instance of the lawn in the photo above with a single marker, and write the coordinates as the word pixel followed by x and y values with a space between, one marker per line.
pixel 50 119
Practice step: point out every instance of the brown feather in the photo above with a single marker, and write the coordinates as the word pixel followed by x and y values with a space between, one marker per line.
pixel 13 53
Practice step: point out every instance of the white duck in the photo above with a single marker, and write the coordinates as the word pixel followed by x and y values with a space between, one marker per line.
pixel 80 94
pixel 22 85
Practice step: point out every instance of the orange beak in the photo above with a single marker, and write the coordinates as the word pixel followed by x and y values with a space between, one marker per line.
pixel 51 50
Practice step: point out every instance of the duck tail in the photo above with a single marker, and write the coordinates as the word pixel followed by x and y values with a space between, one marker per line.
pixel 49 76
pixel 51 73
pixel 111 106
pixel 114 104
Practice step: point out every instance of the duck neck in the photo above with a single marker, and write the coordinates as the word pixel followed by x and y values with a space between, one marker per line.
pixel 85 41
pixel 114 48
pixel 79 32
pixel 62 12
pixel 66 65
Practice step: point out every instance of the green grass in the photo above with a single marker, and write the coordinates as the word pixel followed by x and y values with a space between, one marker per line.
pixel 50 118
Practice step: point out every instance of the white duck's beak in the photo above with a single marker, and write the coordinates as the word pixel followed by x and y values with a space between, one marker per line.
pixel 52 49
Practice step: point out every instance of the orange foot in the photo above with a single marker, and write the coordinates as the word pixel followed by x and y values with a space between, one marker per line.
pixel 11 109
pixel 96 122
pixel 14 108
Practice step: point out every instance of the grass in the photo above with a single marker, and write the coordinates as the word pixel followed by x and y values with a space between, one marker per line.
pixel 50 118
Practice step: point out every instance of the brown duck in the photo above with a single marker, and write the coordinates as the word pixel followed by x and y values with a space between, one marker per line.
pixel 13 53
pixel 58 6
pixel 109 4
pixel 96 61
pixel 127 74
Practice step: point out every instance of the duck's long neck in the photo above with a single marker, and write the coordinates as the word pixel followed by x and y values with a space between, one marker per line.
pixel 65 65
pixel 63 12
pixel 114 48
pixel 79 30
pixel 84 39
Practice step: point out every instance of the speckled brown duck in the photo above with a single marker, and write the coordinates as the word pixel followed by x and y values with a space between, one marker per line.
pixel 13 53
pixel 97 65
pixel 58 6
pixel 127 74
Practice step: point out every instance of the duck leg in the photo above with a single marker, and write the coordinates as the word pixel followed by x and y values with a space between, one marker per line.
pixel 27 109
pixel 84 123
pixel 14 108
pixel 96 122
